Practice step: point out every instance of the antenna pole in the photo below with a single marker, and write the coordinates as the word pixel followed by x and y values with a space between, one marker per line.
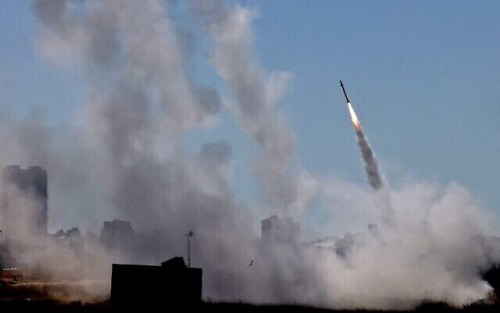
pixel 189 251
pixel 189 235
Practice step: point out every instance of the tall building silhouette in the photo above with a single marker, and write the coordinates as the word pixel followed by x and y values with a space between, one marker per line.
pixel 24 202
pixel 118 234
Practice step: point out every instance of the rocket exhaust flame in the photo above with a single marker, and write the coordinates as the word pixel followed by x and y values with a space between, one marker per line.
pixel 354 117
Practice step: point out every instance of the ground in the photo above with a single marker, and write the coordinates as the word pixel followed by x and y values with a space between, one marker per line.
pixel 46 306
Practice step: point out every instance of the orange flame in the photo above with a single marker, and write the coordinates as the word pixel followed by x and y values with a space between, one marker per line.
pixel 354 117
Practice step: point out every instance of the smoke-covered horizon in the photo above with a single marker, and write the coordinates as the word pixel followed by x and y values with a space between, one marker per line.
pixel 122 156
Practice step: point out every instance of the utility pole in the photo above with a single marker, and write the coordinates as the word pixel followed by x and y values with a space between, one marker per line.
pixel 189 235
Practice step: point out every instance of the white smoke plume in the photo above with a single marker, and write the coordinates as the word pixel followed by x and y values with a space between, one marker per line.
pixel 431 252
pixel 371 164
pixel 255 93
pixel 122 157
pixel 375 178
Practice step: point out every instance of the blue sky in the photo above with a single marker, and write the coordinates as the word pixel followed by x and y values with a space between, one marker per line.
pixel 423 76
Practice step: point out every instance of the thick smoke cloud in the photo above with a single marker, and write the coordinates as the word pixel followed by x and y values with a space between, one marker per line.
pixel 430 251
pixel 122 157
pixel 142 96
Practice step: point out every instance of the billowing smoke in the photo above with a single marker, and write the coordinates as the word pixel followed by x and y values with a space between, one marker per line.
pixel 142 96
pixel 432 248
pixel 122 157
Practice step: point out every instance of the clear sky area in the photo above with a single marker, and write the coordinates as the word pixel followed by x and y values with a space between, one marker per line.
pixel 424 77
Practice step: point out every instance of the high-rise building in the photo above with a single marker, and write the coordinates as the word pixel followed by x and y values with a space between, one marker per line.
pixel 24 202
pixel 117 234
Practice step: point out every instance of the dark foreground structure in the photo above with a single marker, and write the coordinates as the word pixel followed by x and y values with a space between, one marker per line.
pixel 170 285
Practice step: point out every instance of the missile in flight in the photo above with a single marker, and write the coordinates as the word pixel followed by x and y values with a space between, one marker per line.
pixel 352 113
pixel 345 93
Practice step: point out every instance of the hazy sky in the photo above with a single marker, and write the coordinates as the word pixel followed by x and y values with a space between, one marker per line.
pixel 424 77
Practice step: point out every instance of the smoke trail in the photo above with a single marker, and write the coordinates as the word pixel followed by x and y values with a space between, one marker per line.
pixel 375 179
pixel 371 165
pixel 255 93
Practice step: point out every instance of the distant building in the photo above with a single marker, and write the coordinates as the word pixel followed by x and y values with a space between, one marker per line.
pixel 73 233
pixel 24 202
pixel 128 246
pixel 343 246
pixel 171 285
pixel 71 238
pixel 280 230
pixel 117 234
